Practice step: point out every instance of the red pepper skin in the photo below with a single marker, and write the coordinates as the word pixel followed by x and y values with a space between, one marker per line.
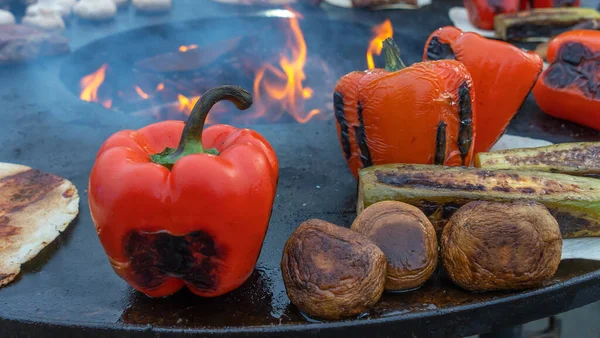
pixel 529 4
pixel 226 198
pixel 567 88
pixel 503 76
pixel 421 114
pixel 482 12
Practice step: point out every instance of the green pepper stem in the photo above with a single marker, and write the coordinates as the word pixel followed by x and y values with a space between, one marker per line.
pixel 393 62
pixel 191 137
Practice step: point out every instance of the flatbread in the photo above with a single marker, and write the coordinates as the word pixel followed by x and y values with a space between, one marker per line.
pixel 35 207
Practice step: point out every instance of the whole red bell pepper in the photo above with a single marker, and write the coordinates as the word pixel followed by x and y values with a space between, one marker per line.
pixel 177 205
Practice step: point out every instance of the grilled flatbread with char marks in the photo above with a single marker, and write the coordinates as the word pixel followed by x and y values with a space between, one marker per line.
pixel 35 207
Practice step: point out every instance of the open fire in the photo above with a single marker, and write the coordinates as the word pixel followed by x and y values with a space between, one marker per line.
pixel 279 83
pixel 382 32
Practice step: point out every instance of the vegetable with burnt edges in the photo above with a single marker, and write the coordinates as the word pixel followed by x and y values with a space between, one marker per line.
pixel 540 22
pixel 423 113
pixel 568 88
pixel 407 239
pixel 501 246
pixel 576 158
pixel 175 205
pixel 439 191
pixel 332 272
pixel 502 76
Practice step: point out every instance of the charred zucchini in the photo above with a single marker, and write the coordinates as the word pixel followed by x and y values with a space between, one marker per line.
pixel 439 191
pixel 580 159
pixel 540 22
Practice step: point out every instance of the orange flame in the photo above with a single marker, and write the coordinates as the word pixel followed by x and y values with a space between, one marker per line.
pixel 90 84
pixel 382 32
pixel 184 49
pixel 141 93
pixel 283 86
pixel 186 104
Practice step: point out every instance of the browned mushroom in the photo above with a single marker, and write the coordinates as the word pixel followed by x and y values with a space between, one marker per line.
pixel 407 239
pixel 331 272
pixel 495 246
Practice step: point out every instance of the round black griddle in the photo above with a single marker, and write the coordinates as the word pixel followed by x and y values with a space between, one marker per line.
pixel 69 290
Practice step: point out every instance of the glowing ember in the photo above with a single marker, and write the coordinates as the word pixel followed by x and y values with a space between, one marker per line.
pixel 279 89
pixel 90 85
pixel 160 87
pixel 184 49
pixel 382 32
pixel 141 93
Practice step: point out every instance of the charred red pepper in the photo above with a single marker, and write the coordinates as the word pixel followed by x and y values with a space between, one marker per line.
pixel 176 205
pixel 423 113
pixel 482 12
pixel 503 76
pixel 568 88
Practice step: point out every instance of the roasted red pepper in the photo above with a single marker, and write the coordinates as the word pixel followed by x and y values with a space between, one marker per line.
pixel 420 114
pixel 503 76
pixel 482 12
pixel 568 88
pixel 529 4
pixel 177 205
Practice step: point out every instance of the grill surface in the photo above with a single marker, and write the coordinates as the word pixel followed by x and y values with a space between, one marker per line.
pixel 70 288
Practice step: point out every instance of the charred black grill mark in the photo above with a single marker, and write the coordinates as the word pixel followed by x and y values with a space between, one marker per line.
pixel 584 156
pixel 465 115
pixel 576 65
pixel 521 31
pixel 527 190
pixel 440 144
pixel 361 138
pixel 438 50
pixel 424 181
pixel 155 257
pixel 338 105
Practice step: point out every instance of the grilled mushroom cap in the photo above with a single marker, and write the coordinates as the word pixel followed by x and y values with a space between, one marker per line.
pixel 501 246
pixel 406 237
pixel 332 272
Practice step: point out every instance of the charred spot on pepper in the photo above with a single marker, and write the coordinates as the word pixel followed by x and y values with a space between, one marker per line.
pixel 575 65
pixel 338 106
pixel 573 53
pixel 465 115
pixel 437 50
pixel 440 144
pixel 361 138
pixel 156 257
